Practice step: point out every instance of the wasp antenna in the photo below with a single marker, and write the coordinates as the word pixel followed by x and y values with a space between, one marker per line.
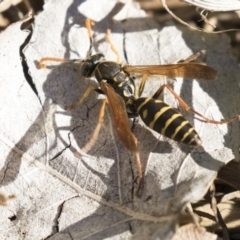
pixel 88 24
pixel 108 39
pixel 42 63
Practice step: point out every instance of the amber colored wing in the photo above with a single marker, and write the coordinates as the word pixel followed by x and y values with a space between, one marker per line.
pixel 120 118
pixel 185 70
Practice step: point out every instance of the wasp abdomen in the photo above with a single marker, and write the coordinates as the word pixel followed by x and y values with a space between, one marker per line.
pixel 167 121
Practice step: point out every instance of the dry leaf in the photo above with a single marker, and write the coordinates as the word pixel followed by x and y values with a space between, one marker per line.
pixel 192 232
pixel 215 5
pixel 228 208
pixel 62 196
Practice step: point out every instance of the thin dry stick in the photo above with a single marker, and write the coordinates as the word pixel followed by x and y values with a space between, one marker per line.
pixel 204 17
pixel 191 27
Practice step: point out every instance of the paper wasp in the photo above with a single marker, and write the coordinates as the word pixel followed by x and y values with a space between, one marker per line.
pixel 125 100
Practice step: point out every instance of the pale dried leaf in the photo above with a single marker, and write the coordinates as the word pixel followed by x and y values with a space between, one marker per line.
pixel 93 197
pixel 216 5
pixel 4 5
pixel 229 210
pixel 192 232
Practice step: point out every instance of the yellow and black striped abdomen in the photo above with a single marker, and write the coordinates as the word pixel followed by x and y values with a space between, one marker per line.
pixel 165 120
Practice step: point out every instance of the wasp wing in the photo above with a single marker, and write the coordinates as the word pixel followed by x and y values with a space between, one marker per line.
pixel 185 70
pixel 120 118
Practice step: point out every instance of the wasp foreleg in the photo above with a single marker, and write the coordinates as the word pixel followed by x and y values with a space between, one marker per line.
pixel 95 134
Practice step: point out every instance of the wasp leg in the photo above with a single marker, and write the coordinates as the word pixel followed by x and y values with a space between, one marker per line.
pixel 191 58
pixel 80 101
pixel 95 134
pixel 94 137
pixel 108 39
pixel 185 106
pixel 140 173
pixel 141 85
pixel 120 121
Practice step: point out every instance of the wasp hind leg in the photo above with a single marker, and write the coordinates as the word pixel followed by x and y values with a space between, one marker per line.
pixel 186 107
